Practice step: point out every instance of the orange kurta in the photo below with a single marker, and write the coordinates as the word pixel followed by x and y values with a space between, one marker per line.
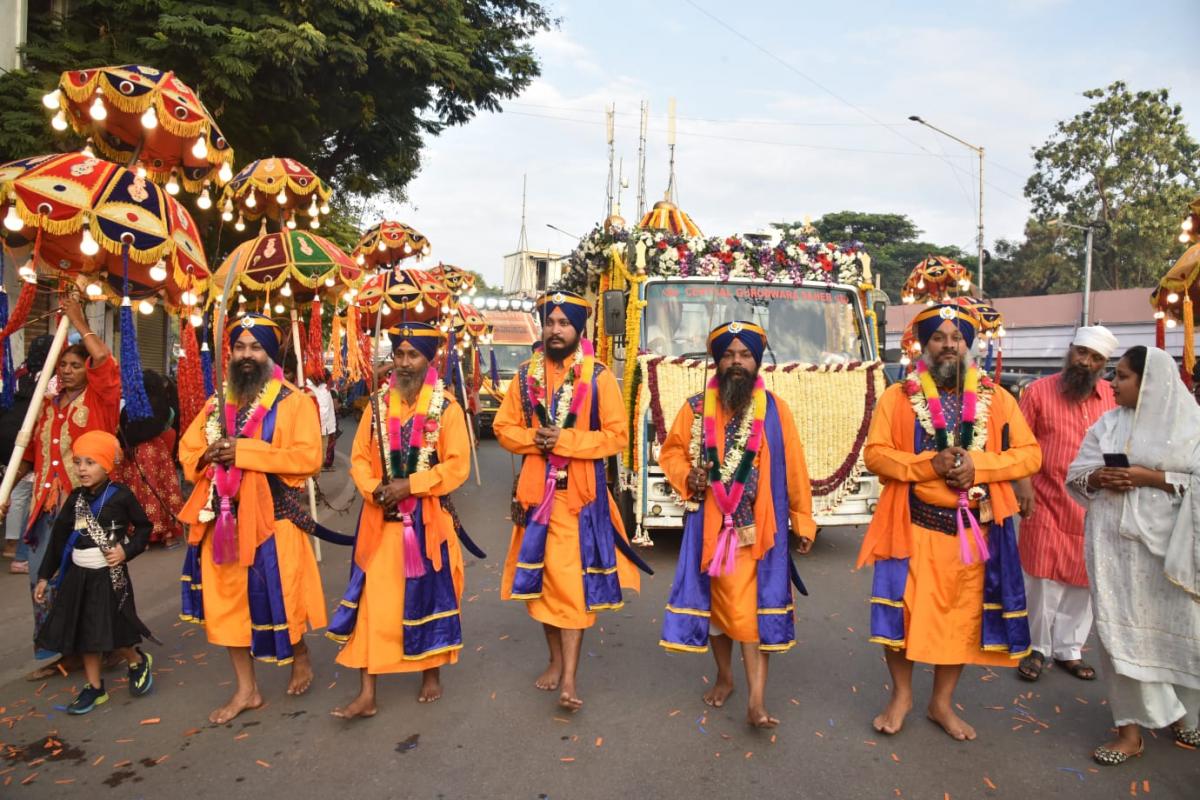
pixel 943 598
pixel 293 454
pixel 377 642
pixel 735 595
pixel 562 602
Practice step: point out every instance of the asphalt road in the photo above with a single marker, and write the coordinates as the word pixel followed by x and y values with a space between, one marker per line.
pixel 643 731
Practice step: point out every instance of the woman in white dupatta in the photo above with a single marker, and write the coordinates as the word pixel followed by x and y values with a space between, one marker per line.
pixel 1142 546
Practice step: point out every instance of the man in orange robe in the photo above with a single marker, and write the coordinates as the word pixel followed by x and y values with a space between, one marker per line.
pixel 568 557
pixel 250 576
pixel 734 576
pixel 400 611
pixel 948 588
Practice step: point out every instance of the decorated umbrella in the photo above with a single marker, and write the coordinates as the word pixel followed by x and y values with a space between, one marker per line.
pixel 277 188
pixel 935 280
pixel 1176 299
pixel 84 215
pixel 458 281
pixel 666 216
pixel 389 243
pixel 141 115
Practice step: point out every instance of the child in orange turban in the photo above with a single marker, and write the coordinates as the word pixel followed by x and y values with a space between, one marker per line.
pixel 100 527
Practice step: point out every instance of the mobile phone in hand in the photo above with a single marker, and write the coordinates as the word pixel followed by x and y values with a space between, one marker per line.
pixel 1116 460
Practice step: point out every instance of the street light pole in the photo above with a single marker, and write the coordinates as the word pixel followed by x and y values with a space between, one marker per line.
pixel 1086 315
pixel 979 152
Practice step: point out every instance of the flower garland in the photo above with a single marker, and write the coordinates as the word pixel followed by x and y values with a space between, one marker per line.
pixel 935 416
pixel 407 458
pixel 226 481
pixel 798 256
pixel 739 459
pixel 567 406
pixel 978 390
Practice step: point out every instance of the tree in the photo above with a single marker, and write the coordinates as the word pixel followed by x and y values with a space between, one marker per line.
pixel 890 239
pixel 349 87
pixel 1127 161
pixel 1041 264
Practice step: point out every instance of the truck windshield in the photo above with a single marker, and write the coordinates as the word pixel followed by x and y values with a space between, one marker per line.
pixel 509 357
pixel 811 325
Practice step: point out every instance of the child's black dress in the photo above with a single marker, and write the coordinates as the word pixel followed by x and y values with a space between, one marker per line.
pixel 93 609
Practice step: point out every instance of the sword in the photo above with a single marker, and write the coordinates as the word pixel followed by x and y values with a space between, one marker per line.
pixel 219 344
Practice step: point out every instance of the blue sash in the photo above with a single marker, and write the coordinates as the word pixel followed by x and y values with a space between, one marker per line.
pixel 94 505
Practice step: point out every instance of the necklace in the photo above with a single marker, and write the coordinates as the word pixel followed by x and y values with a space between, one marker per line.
pixel 727 478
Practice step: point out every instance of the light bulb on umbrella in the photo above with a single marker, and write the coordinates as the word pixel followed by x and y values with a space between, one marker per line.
pixel 196 320
pixel 59 121
pixel 281 198
pixel 98 111
pixel 225 173
pixel 251 200
pixel 239 226
pixel 204 202
pixel 12 220
pixel 51 100
pixel 314 223
pixel 94 291
pixel 149 119
pixel 145 307
pixel 158 273
pixel 88 245
pixel 200 148
pixel 291 222
pixel 324 208
pixel 172 186
pixel 286 290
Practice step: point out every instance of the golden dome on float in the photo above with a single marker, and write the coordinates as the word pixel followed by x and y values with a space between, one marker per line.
pixel 666 216
pixel 615 222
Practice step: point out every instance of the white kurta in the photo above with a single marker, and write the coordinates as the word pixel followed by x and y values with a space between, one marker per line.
pixel 1149 627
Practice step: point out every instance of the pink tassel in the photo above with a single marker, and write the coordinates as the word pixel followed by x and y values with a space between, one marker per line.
pixel 414 565
pixel 964 544
pixel 541 514
pixel 225 535
pixel 726 550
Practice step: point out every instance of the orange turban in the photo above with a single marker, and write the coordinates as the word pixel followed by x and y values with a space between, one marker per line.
pixel 100 446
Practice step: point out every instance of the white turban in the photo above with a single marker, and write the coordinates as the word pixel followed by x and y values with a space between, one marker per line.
pixel 1096 337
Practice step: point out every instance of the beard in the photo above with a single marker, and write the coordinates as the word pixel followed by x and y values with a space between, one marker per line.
pixel 409 383
pixel 1077 383
pixel 949 374
pixel 560 353
pixel 247 377
pixel 736 387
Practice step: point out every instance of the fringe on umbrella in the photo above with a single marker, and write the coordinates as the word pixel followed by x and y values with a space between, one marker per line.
pixel 133 388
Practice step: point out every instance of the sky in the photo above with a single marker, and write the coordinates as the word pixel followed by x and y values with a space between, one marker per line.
pixel 786 110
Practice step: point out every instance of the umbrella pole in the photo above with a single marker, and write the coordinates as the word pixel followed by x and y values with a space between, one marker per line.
pixel 375 340
pixel 301 380
pixel 470 422
pixel 35 409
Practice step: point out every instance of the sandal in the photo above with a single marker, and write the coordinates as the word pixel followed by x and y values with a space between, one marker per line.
pixel 1111 758
pixel 1186 736
pixel 1031 666
pixel 1085 672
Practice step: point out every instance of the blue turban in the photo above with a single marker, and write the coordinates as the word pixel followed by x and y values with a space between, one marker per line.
pixel 932 318
pixel 424 337
pixel 262 328
pixel 572 305
pixel 749 334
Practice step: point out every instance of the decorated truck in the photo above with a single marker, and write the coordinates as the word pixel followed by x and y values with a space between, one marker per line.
pixel 659 287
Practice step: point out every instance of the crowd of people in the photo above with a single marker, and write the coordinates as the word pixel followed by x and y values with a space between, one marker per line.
pixel 1004 532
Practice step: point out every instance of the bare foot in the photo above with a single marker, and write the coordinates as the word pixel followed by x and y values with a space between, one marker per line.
pixel 548 681
pixel 362 706
pixel 951 723
pixel 892 718
pixel 719 693
pixel 568 699
pixel 236 705
pixel 302 673
pixel 758 717
pixel 431 686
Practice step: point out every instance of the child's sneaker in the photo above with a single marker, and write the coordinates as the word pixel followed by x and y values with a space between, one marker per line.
pixel 140 678
pixel 88 699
